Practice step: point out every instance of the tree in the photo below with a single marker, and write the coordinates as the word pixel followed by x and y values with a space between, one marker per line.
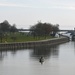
pixel 55 29
pixel 13 28
pixel 5 26
pixel 43 29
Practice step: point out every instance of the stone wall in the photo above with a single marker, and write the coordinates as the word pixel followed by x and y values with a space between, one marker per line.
pixel 22 45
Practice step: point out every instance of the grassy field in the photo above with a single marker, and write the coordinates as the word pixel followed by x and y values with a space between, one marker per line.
pixel 22 37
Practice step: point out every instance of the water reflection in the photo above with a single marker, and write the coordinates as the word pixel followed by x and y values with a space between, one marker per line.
pixel 60 60
pixel 13 52
pixel 37 52
pixel 74 44
pixel 45 51
pixel 5 53
pixel 2 54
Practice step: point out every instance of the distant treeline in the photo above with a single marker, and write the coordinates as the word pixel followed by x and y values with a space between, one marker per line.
pixel 39 29
pixel 44 29
pixel 6 27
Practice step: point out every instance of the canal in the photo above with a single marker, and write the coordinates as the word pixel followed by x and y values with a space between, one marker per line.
pixel 58 60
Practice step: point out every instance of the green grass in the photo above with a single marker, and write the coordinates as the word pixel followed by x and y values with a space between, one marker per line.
pixel 19 37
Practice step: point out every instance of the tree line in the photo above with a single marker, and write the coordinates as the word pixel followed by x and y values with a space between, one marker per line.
pixel 44 29
pixel 5 28
pixel 39 29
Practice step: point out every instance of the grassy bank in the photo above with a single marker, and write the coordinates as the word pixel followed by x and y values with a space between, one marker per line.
pixel 22 37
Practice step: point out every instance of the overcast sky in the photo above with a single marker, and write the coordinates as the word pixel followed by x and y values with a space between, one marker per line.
pixel 25 13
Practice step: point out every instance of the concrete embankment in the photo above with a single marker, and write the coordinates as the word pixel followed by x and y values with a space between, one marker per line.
pixel 17 45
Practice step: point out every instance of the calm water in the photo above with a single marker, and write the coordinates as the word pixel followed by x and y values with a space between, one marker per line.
pixel 58 60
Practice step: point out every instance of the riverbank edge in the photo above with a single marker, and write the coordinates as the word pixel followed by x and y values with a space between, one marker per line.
pixel 30 44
